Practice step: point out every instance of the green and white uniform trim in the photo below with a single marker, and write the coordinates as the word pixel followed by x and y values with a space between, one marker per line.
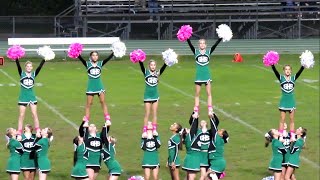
pixel 26 163
pixel 192 159
pixel 13 163
pixel 294 157
pixel 173 149
pixel 27 95
pixel 151 89
pixel 277 155
pixel 95 85
pixel 150 152
pixel 203 74
pixel 44 164
pixel 79 169
pixel 108 156
pixel 287 101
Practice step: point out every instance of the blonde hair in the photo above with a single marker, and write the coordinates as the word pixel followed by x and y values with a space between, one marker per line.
pixel 151 60
pixel 287 65
pixel 9 132
pixel 28 62
pixel 49 132
pixel 202 40
pixel 113 139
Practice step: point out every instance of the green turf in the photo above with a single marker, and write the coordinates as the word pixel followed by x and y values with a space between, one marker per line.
pixel 247 91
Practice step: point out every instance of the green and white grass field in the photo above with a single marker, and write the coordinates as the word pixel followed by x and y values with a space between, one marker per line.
pixel 245 96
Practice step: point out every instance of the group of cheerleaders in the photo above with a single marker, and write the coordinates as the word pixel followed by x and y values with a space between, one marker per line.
pixel 204 147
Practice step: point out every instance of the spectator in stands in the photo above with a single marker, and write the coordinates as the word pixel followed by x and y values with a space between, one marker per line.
pixel 141 3
pixel 153 8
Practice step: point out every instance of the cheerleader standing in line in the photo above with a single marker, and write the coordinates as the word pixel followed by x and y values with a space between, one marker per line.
pixel 294 157
pixel 95 86
pixel 41 147
pixel 151 95
pixel 203 75
pixel 287 101
pixel 108 154
pixel 27 95
pixel 216 149
pixel 16 149
pixel 28 164
pixel 150 146
pixel 278 151
pixel 174 145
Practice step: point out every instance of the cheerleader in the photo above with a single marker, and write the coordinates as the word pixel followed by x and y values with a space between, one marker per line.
pixel 28 164
pixel 16 149
pixel 95 86
pixel 150 146
pixel 174 145
pixel 203 75
pixel 79 161
pixel 27 95
pixel 216 149
pixel 294 157
pixel 191 163
pixel 41 147
pixel 287 100
pixel 151 95
pixel 278 151
pixel 108 154
pixel 93 144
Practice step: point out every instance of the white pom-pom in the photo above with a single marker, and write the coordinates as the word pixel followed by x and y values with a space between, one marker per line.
pixel 75 147
pixel 307 59
pixel 51 139
pixel 7 138
pixel 46 52
pixel 224 32
pixel 119 49
pixel 170 57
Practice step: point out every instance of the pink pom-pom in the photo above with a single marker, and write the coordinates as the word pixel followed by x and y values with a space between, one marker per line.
pixel 184 33
pixel 137 55
pixel 16 52
pixel 75 50
pixel 271 58
pixel 222 175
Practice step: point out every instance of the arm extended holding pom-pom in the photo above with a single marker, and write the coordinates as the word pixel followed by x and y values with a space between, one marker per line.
pixel 143 70
pixel 299 73
pixel 162 68
pixel 39 67
pixel 107 59
pixel 215 45
pixel 191 46
pixel 82 60
pixel 276 72
pixel 19 67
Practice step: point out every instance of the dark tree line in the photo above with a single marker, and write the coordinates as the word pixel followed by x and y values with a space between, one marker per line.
pixel 33 7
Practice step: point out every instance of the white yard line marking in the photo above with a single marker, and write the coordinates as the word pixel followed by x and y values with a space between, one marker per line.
pixel 302 82
pixel 46 104
pixel 226 114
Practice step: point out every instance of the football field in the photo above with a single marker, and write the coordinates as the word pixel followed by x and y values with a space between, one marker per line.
pixel 245 96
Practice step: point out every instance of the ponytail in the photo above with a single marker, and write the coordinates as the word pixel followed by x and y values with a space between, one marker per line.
pixel 268 136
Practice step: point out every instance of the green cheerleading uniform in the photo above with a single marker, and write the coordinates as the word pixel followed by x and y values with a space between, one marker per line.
pixel 204 141
pixel 286 144
pixel 27 95
pixel 294 159
pixel 108 156
pixel 193 157
pixel 151 89
pixel 287 101
pixel 26 162
pixel 94 85
pixel 13 163
pixel 79 169
pixel 93 153
pixel 150 148
pixel 277 155
pixel 216 157
pixel 173 150
pixel 203 74
pixel 44 164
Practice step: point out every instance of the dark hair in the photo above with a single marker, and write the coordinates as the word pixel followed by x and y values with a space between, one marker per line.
pixel 179 131
pixel 29 126
pixel 304 132
pixel 49 132
pixel 93 52
pixel 268 138
pixel 225 136
pixel 75 143
pixel 183 136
